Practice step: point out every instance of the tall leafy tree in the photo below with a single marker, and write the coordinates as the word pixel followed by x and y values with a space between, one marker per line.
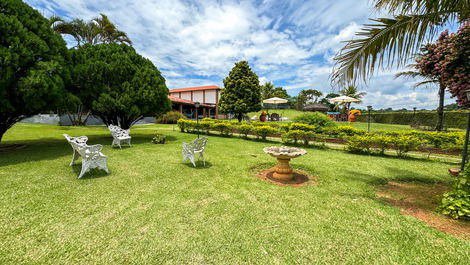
pixel 391 41
pixel 97 30
pixel 32 64
pixel 242 91
pixel 117 84
pixel 351 91
pixel 268 91
pixel 326 101
pixel 311 95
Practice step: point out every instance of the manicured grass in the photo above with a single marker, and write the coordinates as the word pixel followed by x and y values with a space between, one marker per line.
pixel 154 209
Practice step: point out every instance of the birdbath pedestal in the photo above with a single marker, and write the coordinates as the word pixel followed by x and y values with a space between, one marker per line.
pixel 283 170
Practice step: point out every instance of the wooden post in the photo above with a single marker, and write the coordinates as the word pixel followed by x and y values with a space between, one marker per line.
pixel 181 108
pixel 204 112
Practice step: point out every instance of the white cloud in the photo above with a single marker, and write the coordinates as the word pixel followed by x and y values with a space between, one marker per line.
pixel 291 43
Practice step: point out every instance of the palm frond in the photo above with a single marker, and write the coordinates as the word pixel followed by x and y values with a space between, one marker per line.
pixel 388 41
pixel 408 74
pixel 415 7
pixel 426 83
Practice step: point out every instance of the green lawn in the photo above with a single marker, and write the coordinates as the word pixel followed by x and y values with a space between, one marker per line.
pixel 154 209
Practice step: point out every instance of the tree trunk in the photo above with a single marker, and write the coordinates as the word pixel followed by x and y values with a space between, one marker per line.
pixel 239 117
pixel 440 108
pixel 6 122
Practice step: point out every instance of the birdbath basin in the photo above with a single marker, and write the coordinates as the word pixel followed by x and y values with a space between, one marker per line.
pixel 283 171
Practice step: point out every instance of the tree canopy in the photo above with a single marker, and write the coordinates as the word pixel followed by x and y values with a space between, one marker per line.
pixel 448 60
pixel 32 64
pixel 97 30
pixel 269 91
pixel 117 84
pixel 242 91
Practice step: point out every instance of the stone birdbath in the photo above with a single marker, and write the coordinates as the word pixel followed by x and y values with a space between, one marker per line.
pixel 283 171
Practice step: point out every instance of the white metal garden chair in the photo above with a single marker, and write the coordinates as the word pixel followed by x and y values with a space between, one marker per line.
pixel 119 135
pixel 190 150
pixel 91 154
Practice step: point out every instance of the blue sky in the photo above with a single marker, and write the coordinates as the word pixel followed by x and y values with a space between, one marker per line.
pixel 291 43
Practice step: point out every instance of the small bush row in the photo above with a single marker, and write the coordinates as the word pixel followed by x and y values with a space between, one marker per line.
pixel 370 144
pixel 356 139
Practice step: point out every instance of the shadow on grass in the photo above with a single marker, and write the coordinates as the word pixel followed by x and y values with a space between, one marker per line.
pixel 92 174
pixel 398 175
pixel 52 148
pixel 199 165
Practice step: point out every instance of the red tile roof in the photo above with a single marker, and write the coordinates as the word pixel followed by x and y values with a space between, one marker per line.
pixel 195 88
pixel 185 101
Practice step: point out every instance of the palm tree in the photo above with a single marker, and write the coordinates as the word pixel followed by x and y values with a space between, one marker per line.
pixel 351 91
pixel 390 41
pixel 429 80
pixel 97 30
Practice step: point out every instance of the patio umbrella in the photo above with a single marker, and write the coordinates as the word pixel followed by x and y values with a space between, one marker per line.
pixel 275 100
pixel 344 99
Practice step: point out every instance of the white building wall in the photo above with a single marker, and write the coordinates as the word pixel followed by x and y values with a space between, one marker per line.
pixel 198 96
pixel 211 96
pixel 186 95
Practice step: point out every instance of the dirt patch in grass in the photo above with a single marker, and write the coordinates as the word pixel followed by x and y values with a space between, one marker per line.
pixel 421 201
pixel 300 178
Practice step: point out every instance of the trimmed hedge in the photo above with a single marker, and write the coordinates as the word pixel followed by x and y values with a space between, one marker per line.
pixel 452 119
pixel 357 140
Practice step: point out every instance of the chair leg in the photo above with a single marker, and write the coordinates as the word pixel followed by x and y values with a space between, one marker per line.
pixel 84 169
pixel 192 161
pixel 129 142
pixel 203 160
pixel 74 157
pixel 119 144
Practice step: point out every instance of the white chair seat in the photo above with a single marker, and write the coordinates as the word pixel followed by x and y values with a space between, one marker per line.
pixel 119 135
pixel 91 154
pixel 196 147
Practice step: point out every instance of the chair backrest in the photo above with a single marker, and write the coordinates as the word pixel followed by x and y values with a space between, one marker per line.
pixel 75 141
pixel 199 144
pixel 275 117
pixel 196 145
pixel 116 131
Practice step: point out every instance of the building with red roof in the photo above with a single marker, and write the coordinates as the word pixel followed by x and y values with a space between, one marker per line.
pixel 184 100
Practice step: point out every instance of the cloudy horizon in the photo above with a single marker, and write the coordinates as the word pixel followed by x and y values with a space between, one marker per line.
pixel 290 43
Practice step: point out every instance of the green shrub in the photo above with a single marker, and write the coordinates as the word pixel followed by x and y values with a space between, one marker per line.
pixel 159 139
pixel 263 131
pixel 342 131
pixel 405 143
pixel 205 126
pixel 456 203
pixel 315 118
pixel 360 144
pixel 182 124
pixel 244 129
pixel 170 117
pixel 224 128
pixel 301 127
pixel 382 142
pixel 292 136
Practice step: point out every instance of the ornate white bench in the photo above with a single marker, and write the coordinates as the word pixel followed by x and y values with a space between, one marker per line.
pixel 91 154
pixel 196 147
pixel 119 135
